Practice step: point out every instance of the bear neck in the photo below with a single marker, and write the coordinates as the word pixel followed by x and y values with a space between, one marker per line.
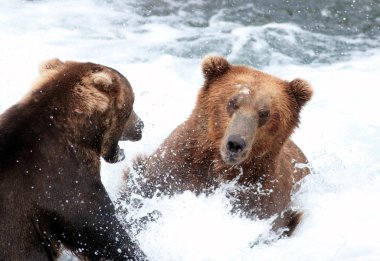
pixel 259 168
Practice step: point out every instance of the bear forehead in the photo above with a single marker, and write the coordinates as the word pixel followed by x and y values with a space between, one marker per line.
pixel 85 72
pixel 94 83
pixel 252 82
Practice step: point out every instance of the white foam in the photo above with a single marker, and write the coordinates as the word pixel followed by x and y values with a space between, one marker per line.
pixel 198 228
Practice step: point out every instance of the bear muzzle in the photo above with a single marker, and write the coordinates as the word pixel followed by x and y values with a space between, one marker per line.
pixel 235 144
pixel 234 151
pixel 133 128
pixel 238 138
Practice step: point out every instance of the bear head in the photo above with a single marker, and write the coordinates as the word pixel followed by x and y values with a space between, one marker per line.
pixel 91 103
pixel 250 113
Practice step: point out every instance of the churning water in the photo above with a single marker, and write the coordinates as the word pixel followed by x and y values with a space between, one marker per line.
pixel 158 46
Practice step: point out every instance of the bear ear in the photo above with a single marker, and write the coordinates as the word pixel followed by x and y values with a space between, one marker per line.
pixel 110 84
pixel 49 65
pixel 301 90
pixel 102 79
pixel 95 92
pixel 214 66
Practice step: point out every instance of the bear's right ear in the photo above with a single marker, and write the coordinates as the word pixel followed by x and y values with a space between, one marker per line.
pixel 107 82
pixel 102 80
pixel 213 67
pixel 49 65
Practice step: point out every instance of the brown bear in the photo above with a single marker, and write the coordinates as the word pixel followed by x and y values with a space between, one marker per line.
pixel 51 142
pixel 238 131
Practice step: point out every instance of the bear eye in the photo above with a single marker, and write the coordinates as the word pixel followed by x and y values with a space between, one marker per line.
pixel 232 106
pixel 263 117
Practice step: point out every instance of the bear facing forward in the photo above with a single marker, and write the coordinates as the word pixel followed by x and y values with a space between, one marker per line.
pixel 51 142
pixel 239 130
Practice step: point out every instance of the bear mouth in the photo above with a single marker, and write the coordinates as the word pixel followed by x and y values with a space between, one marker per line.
pixel 114 154
pixel 231 158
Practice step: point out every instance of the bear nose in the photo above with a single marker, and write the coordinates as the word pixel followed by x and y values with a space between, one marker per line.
pixel 139 125
pixel 235 144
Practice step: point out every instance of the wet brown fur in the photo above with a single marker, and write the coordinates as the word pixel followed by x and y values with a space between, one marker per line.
pixel 191 158
pixel 51 142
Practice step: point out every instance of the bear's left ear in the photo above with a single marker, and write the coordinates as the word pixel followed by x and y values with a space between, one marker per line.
pixel 213 67
pixel 301 90
pixel 50 65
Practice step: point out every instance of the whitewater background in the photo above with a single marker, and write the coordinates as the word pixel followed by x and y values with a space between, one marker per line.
pixel 158 46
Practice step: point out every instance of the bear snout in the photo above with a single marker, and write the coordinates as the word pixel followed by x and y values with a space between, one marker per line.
pixel 235 144
pixel 234 151
pixel 139 125
pixel 133 128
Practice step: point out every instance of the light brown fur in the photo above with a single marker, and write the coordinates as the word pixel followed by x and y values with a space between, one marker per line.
pixel 239 130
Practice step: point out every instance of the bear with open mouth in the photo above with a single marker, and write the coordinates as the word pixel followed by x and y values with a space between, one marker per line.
pixel 51 142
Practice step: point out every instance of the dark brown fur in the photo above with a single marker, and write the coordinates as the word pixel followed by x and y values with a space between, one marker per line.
pixel 51 142
pixel 259 112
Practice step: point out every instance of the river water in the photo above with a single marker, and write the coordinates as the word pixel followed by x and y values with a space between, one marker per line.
pixel 158 45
